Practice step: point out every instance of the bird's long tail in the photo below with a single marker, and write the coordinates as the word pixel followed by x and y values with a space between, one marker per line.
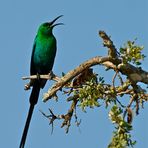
pixel 33 101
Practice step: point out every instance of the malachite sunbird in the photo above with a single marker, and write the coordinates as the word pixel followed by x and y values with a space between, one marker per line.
pixel 42 60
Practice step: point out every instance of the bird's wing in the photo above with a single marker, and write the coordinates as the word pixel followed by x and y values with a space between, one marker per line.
pixel 32 70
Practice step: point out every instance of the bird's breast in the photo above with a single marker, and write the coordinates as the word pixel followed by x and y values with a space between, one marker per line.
pixel 44 55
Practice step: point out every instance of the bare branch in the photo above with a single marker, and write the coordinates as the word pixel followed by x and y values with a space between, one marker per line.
pixel 48 77
pixel 112 52
pixel 67 117
pixel 113 79
pixel 134 73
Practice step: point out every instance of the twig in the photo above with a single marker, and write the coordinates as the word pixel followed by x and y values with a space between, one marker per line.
pixel 51 118
pixel 114 77
pixel 67 117
pixel 120 78
pixel 128 91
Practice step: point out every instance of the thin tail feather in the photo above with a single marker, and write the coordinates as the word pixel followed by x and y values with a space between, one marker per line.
pixel 23 140
pixel 33 101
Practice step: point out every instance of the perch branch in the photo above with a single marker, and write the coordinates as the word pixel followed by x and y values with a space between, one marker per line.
pixel 48 77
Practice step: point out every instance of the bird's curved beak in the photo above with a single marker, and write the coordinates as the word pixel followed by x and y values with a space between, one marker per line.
pixel 52 23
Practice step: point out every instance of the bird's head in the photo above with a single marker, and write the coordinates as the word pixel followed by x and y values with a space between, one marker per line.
pixel 46 28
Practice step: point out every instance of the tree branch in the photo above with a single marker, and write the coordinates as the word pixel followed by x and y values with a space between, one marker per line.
pixel 112 51
pixel 134 73
pixel 71 74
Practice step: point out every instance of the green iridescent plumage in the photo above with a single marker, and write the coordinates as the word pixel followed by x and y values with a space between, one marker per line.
pixel 42 60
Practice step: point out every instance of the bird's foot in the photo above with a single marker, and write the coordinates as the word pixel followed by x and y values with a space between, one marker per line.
pixel 38 76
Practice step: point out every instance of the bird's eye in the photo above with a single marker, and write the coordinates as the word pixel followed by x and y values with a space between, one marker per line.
pixel 46 24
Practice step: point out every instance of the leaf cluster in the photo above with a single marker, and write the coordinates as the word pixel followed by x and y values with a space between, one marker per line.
pixel 92 91
pixel 132 53
pixel 121 135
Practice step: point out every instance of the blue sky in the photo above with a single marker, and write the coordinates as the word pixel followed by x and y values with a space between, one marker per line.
pixel 77 41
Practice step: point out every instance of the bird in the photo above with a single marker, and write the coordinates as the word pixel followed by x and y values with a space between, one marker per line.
pixel 42 60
